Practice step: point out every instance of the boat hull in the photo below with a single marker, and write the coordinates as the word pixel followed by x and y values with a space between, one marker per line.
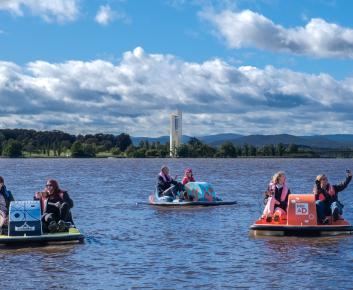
pixel 284 230
pixel 72 236
pixel 192 203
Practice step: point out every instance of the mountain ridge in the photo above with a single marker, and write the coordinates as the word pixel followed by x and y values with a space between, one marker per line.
pixel 314 141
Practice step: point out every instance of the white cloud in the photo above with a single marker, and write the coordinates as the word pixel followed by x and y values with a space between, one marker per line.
pixel 138 93
pixel 106 15
pixel 317 38
pixel 49 10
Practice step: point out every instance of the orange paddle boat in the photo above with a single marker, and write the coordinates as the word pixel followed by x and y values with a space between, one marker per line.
pixel 301 220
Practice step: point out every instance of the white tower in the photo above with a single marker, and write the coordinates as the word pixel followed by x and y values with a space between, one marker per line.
pixel 175 132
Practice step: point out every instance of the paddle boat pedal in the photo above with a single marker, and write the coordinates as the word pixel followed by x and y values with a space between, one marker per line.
pixel 301 220
pixel 25 227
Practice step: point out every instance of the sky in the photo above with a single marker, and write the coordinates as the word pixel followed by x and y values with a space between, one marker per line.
pixel 246 67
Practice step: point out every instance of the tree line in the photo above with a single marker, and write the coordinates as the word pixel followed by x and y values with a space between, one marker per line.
pixel 23 142
pixel 31 143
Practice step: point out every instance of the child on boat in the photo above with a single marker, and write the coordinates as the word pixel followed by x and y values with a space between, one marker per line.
pixel 276 198
pixel 188 176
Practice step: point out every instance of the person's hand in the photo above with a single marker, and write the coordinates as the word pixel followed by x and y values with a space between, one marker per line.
pixel 349 172
pixel 57 204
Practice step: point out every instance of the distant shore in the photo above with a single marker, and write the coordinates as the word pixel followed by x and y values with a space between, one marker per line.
pixel 23 143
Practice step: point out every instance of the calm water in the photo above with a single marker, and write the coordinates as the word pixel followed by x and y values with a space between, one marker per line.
pixel 131 246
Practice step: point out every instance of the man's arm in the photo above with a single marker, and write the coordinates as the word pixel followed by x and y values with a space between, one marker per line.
pixel 344 184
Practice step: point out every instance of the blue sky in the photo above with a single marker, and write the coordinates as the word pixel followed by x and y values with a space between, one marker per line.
pixel 249 67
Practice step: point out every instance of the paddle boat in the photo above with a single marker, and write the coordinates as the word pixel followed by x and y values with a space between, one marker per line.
pixel 25 227
pixel 200 194
pixel 301 220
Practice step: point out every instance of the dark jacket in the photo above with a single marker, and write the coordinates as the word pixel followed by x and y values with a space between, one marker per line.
pixel 164 185
pixel 45 201
pixel 7 195
pixel 337 188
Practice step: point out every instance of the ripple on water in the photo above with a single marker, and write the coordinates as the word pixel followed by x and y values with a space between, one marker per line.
pixel 133 246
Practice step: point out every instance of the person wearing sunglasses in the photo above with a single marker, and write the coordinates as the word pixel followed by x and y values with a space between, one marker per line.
pixel 55 204
pixel 326 195
pixel 5 198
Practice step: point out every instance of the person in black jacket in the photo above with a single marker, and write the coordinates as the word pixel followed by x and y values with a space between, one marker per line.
pixel 326 196
pixel 5 198
pixel 167 186
pixel 55 205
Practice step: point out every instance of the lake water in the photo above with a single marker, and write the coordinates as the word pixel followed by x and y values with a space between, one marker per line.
pixel 131 246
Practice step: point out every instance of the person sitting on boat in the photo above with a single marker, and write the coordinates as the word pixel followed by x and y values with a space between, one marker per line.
pixel 276 197
pixel 166 185
pixel 327 203
pixel 188 176
pixel 5 198
pixel 55 205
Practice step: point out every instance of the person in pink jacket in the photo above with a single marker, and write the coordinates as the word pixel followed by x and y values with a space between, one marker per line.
pixel 276 197
pixel 188 176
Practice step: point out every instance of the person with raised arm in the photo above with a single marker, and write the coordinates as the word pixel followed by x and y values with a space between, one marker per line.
pixel 326 195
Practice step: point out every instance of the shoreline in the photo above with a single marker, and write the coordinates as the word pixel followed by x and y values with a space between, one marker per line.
pixel 123 157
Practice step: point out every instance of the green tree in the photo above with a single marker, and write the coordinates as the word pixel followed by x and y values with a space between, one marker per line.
pixel 89 150
pixel 116 151
pixel 293 148
pixel 2 140
pixel 183 151
pixel 123 141
pixel 280 149
pixel 152 153
pixel 12 148
pixel 77 149
pixel 227 150
pixel 252 150
pixel 29 148
pixel 246 150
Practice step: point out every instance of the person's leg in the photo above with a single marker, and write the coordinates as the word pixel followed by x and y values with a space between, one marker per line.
pixel 3 218
pixel 336 210
pixel 48 217
pixel 279 214
pixel 320 209
pixel 169 192
pixel 64 212
pixel 270 206
pixel 49 222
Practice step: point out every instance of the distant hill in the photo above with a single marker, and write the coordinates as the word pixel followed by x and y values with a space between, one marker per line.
pixel 316 141
pixel 206 139
pixel 312 141
pixel 341 138
pixel 219 137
